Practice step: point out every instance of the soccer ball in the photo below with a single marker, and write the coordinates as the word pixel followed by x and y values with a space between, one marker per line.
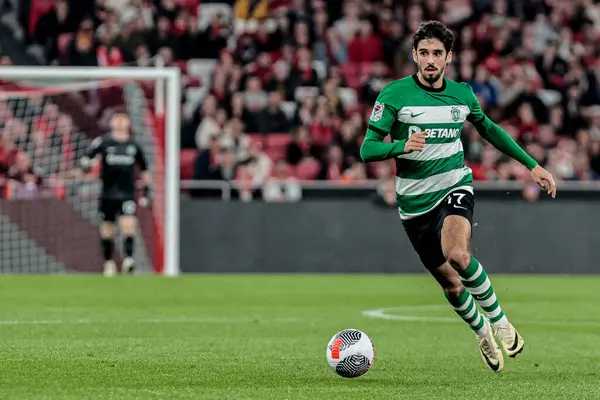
pixel 350 353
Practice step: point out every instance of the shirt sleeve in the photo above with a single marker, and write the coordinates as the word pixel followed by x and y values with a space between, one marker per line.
pixel 95 148
pixel 494 134
pixel 383 118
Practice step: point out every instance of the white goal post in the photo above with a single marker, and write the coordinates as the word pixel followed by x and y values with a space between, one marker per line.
pixel 167 97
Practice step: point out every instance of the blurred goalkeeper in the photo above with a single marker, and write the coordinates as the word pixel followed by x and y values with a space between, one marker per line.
pixel 120 154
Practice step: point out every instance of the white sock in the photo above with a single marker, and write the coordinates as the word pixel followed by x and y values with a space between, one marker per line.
pixel 501 321
pixel 483 330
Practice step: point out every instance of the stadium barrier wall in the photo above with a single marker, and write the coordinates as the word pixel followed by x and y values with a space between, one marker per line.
pixel 353 235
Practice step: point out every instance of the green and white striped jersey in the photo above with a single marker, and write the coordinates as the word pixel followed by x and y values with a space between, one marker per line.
pixel 405 107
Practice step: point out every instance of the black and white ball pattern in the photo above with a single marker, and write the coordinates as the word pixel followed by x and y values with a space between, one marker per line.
pixel 350 353
pixel 349 338
pixel 353 366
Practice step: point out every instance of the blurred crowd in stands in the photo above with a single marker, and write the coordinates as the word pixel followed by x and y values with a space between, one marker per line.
pixel 293 81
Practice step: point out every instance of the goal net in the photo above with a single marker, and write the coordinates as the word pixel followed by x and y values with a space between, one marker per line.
pixel 49 218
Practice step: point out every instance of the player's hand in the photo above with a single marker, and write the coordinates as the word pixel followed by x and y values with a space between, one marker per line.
pixel 415 143
pixel 544 179
pixel 144 202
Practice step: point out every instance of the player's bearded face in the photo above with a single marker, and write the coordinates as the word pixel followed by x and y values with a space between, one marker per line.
pixel 432 73
pixel 432 59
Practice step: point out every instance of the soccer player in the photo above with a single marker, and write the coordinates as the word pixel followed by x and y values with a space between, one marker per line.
pixel 120 154
pixel 424 116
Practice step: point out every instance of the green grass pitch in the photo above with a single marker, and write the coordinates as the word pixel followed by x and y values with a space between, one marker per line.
pixel 264 337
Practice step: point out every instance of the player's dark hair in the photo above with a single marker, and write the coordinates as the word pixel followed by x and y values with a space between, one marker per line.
pixel 434 30
pixel 120 113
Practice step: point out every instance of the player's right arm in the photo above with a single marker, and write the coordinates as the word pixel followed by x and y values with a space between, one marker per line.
pixel 95 148
pixel 381 121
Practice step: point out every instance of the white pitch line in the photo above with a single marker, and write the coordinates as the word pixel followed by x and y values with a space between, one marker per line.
pixel 382 314
pixel 44 322
pixel 215 320
pixel 390 314
pixel 207 320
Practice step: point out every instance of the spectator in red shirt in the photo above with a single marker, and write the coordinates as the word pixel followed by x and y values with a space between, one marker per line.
pixel 366 46
pixel 262 68
pixel 528 125
pixel 322 126
pixel 109 55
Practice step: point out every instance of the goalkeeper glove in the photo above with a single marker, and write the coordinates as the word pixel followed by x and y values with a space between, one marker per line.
pixel 146 196
pixel 86 164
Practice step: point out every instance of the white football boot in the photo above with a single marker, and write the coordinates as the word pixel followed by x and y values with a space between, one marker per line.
pixel 110 269
pixel 490 351
pixel 128 265
pixel 509 338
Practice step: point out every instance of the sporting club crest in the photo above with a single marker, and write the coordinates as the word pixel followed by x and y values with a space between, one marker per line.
pixel 455 114
pixel 377 112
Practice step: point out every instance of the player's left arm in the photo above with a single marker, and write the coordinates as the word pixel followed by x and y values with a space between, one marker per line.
pixel 140 160
pixel 502 141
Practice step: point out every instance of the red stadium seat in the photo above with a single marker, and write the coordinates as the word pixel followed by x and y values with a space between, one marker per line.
pixel 275 153
pixel 364 69
pixel 276 145
pixel 186 162
pixel 278 140
pixel 307 170
pixel 367 68
pixel 256 137
pixel 351 72
pixel 190 5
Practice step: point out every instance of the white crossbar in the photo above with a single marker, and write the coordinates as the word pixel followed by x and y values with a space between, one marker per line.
pixel 141 73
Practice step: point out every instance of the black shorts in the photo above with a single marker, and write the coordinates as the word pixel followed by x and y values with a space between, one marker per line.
pixel 110 209
pixel 424 231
